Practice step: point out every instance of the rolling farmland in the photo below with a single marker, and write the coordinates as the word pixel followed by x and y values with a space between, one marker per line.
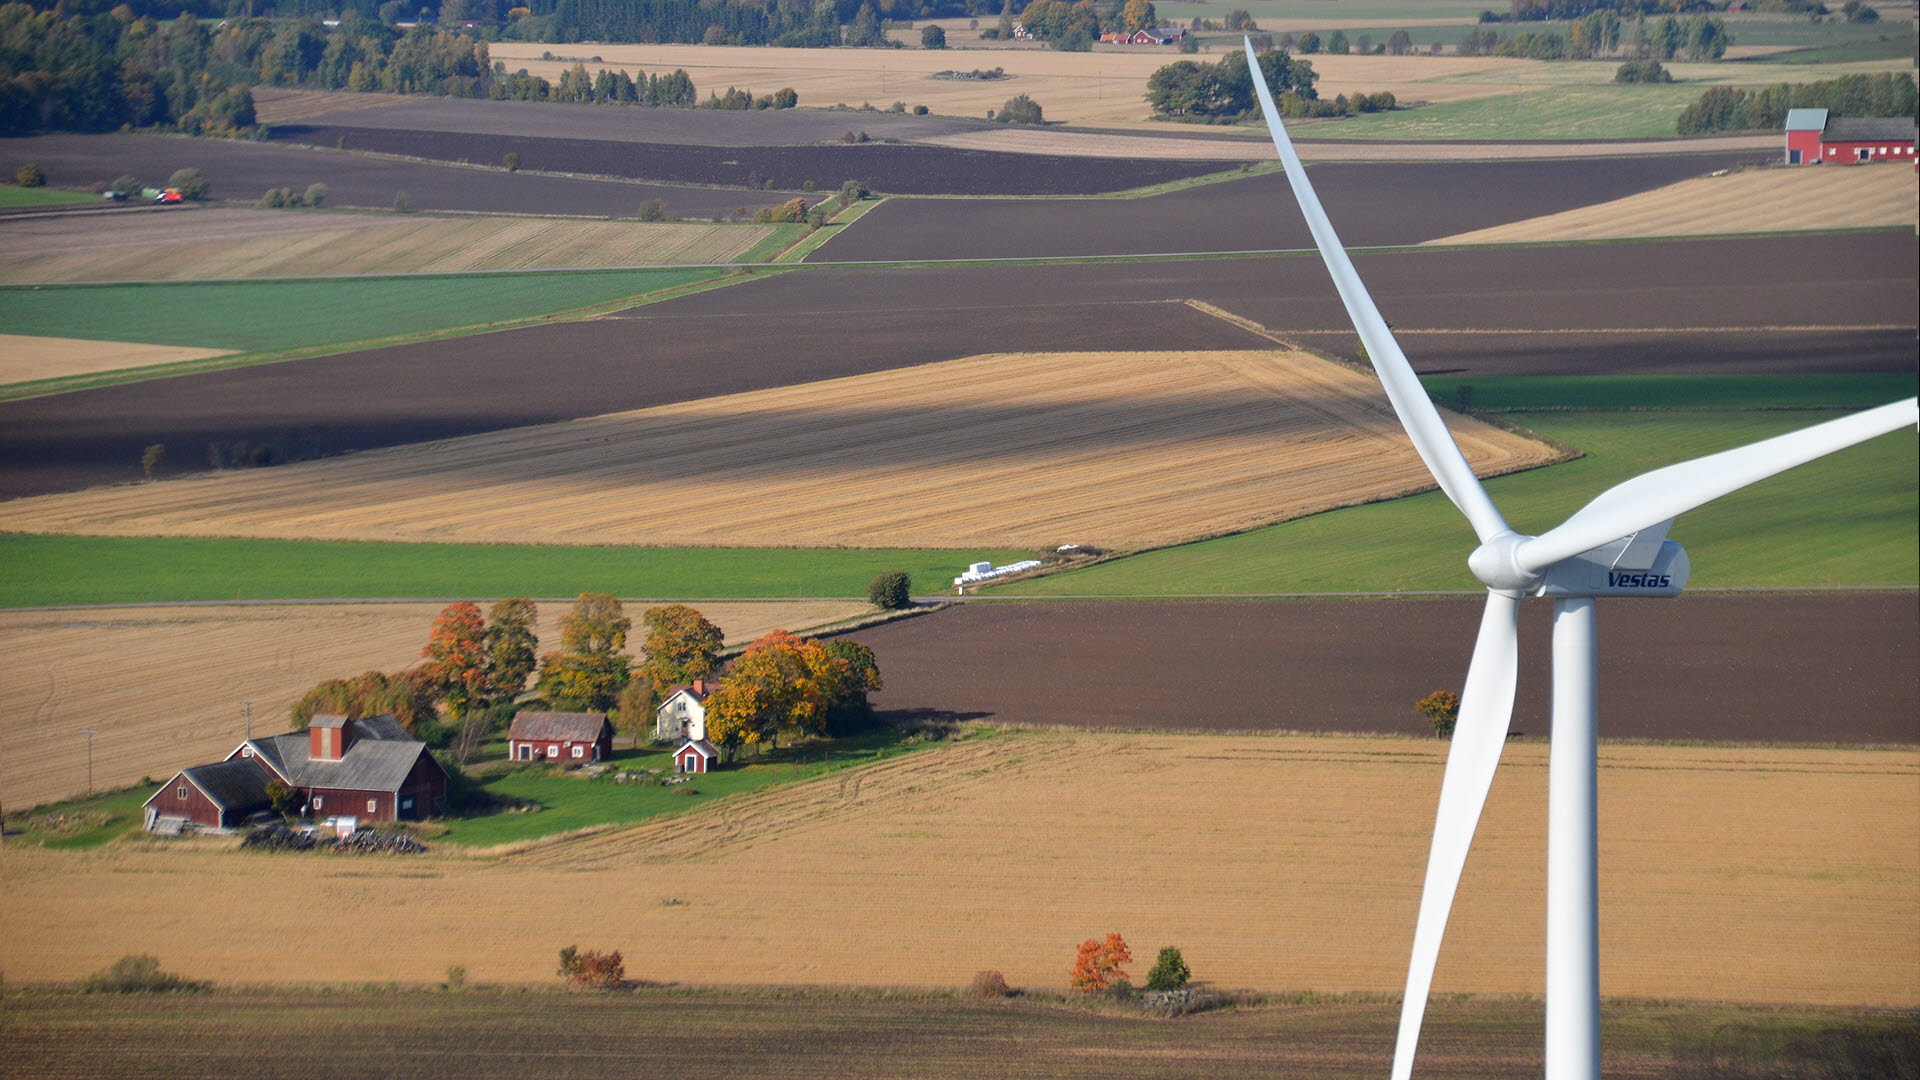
pixel 164 684
pixel 1113 449
pixel 1764 200
pixel 237 243
pixel 1278 863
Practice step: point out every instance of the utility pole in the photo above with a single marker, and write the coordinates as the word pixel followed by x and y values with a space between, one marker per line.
pixel 89 733
pixel 246 708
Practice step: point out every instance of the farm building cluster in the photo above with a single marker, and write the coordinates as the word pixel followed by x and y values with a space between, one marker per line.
pixel 1816 137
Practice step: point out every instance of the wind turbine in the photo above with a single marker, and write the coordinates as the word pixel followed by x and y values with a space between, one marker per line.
pixel 1615 546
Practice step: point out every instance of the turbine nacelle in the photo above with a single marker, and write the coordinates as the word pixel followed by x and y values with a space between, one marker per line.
pixel 1646 564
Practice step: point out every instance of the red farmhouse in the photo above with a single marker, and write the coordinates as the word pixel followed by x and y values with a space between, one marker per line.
pixel 369 769
pixel 560 736
pixel 1814 138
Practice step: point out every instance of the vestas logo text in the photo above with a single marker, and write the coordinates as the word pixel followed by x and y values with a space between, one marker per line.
pixel 1638 581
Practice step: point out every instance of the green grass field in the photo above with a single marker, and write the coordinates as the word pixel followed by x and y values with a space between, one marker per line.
pixel 854 1033
pixel 259 316
pixel 83 823
pixel 1566 112
pixel 36 570
pixel 1845 520
pixel 569 802
pixel 1885 47
pixel 1527 393
pixel 14 195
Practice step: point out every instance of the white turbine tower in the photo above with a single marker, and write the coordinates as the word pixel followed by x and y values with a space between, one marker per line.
pixel 1616 545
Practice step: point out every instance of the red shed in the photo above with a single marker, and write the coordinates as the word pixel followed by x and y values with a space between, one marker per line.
pixel 216 796
pixel 695 756
pixel 570 737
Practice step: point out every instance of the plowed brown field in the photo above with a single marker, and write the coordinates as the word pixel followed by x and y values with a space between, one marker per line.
pixel 1114 449
pixel 1763 875
pixel 163 685
pixel 1760 200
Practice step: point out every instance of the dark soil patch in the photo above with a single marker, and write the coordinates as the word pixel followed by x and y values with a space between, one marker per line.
pixel 1371 204
pixel 886 167
pixel 827 322
pixel 243 170
pixel 1770 667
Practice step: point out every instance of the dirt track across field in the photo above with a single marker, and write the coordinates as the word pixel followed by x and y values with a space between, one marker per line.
pixel 1371 205
pixel 1120 450
pixel 245 170
pixel 1762 667
pixel 1764 304
pixel 163 685
pixel 1276 863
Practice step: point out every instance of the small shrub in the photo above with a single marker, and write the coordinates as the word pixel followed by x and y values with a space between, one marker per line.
pixel 1442 710
pixel 853 191
pixel 1019 109
pixel 135 975
pixel 809 186
pixel 151 458
pixel 512 162
pixel 125 185
pixel 920 110
pixel 317 193
pixel 1642 71
pixel 1097 965
pixel 402 203
pixel 29 175
pixel 653 210
pixel 457 977
pixel 192 184
pixel 891 591
pixel 1169 971
pixel 989 984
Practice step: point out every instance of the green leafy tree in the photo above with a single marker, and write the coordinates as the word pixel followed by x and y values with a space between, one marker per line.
pixel 864 31
pixel 151 458
pixel 1399 43
pixel 1020 109
pixel 1337 43
pixel 1309 42
pixel 317 193
pixel 891 591
pixel 1138 15
pixel 192 184
pixel 281 798
pixel 591 666
pixel 29 176
pixel 1169 971
pixel 933 37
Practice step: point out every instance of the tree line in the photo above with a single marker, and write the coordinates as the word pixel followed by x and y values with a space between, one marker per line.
pixel 1603 33
pixel 476 666
pixel 1725 108
pixel 1223 91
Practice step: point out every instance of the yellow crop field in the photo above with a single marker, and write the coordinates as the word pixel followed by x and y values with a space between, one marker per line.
pixel 1102 88
pixel 1120 450
pixel 239 243
pixel 25 359
pixel 1757 200
pixel 1272 862
pixel 163 685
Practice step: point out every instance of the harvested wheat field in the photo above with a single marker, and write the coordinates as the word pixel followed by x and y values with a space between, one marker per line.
pixel 163 685
pixel 1116 449
pixel 1285 862
pixel 276 243
pixel 1069 143
pixel 1755 200
pixel 25 359
pixel 1099 88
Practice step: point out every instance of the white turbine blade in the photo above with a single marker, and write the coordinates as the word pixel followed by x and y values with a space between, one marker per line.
pixel 1665 493
pixel 1486 710
pixel 1417 414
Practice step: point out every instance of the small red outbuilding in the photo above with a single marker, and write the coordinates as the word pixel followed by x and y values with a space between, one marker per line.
pixel 695 756
pixel 1815 138
pixel 572 738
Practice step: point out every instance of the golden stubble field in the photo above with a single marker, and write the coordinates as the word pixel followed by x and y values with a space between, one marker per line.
pixel 1101 88
pixel 25 359
pixel 1755 200
pixel 163 685
pixel 1275 862
pixel 260 243
pixel 1012 450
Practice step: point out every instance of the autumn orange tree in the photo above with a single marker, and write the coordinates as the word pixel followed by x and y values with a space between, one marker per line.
pixel 779 681
pixel 1098 963
pixel 456 655
pixel 1442 709
pixel 407 696
pixel 681 646
pixel 592 665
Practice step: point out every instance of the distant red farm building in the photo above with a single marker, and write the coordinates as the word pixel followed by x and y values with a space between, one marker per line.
pixel 568 737
pixel 1814 137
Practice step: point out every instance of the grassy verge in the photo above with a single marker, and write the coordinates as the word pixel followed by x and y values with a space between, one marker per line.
pixel 79 824
pixel 40 570
pixel 566 803
pixel 1238 172
pixel 14 195
pixel 778 1033
pixel 780 239
pixel 841 221
pixel 63 319
pixel 1841 521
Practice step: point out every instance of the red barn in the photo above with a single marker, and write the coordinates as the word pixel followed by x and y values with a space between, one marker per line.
pixel 368 768
pixel 570 737
pixel 1814 138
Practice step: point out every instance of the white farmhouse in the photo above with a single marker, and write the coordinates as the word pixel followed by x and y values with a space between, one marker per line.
pixel 683 715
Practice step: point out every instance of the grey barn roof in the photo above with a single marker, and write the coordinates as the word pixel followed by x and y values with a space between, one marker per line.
pixel 557 726
pixel 234 786
pixel 373 762
pixel 1868 128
